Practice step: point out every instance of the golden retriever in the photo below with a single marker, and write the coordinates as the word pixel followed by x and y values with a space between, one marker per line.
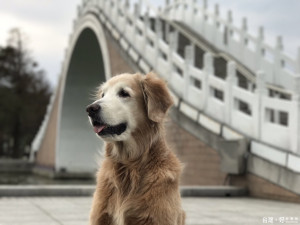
pixel 138 182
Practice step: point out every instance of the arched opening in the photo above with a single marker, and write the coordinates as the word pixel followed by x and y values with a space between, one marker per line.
pixel 77 145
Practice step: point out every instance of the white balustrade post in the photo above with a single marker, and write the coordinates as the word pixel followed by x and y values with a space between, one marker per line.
pixel 208 70
pixel 84 4
pixel 217 14
pixel 189 56
pixel 181 10
pixel 294 123
pixel 276 113
pixel 230 83
pixel 166 10
pixel 120 16
pixel 259 50
pixel 106 7
pixel 184 11
pixel 194 10
pixel 173 45
pixel 188 10
pixel 228 36
pixel 145 32
pixel 167 32
pixel 298 61
pixel 258 111
pixel 243 40
pixel 216 23
pixel 79 11
pixel 158 28
pixel 159 12
pixel 127 8
pixel 175 9
pixel 171 10
pixel 109 9
pixel 74 23
pixel 158 37
pixel 204 16
pixel 173 37
pixel 126 12
pixel 146 23
pixel 137 13
pixel 115 12
pixel 277 60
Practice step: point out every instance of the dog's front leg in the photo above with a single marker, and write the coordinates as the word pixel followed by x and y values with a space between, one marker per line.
pixel 138 221
pixel 105 219
pixel 99 214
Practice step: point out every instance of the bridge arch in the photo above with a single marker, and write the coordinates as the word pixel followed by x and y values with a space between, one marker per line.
pixel 87 57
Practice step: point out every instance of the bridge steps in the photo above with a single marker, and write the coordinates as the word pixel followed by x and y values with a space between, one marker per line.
pixel 88 190
pixel 15 165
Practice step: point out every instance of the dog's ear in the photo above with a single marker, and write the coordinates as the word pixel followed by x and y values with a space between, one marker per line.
pixel 157 97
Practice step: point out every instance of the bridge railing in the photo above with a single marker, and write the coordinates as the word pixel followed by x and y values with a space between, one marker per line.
pixel 253 52
pixel 255 112
pixel 36 143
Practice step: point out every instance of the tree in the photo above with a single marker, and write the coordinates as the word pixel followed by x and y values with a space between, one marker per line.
pixel 24 95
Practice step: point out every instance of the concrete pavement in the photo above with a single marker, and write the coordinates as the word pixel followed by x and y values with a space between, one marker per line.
pixel 200 211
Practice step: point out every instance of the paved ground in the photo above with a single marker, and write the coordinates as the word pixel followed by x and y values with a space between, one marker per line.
pixel 75 210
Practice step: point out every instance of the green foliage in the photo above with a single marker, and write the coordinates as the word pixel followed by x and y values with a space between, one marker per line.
pixel 24 95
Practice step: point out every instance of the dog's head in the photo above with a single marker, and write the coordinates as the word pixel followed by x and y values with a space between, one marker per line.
pixel 127 103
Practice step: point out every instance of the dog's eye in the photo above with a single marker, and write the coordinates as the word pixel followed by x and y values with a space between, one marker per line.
pixel 123 94
pixel 102 95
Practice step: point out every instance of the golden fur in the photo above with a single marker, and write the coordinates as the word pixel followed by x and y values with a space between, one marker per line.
pixel 139 177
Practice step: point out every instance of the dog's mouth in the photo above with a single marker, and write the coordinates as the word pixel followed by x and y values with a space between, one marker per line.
pixel 104 129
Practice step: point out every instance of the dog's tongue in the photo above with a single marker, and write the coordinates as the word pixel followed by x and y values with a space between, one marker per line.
pixel 98 129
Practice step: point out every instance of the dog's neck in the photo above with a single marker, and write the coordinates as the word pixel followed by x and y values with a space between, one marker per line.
pixel 130 159
pixel 137 147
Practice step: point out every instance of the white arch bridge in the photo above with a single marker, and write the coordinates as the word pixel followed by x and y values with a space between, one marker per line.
pixel 233 91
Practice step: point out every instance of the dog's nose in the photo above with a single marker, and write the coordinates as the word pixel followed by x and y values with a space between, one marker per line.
pixel 93 109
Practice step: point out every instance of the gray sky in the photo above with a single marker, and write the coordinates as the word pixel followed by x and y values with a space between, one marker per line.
pixel 48 24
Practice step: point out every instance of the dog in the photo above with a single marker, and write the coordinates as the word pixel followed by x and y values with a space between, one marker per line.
pixel 138 181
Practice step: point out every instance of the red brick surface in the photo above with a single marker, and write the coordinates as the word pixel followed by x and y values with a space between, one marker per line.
pixel 201 163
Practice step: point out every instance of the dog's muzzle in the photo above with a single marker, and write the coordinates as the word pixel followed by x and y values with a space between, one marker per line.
pixel 101 128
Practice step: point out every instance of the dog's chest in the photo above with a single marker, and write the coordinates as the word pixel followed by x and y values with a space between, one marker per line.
pixel 126 179
pixel 127 189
